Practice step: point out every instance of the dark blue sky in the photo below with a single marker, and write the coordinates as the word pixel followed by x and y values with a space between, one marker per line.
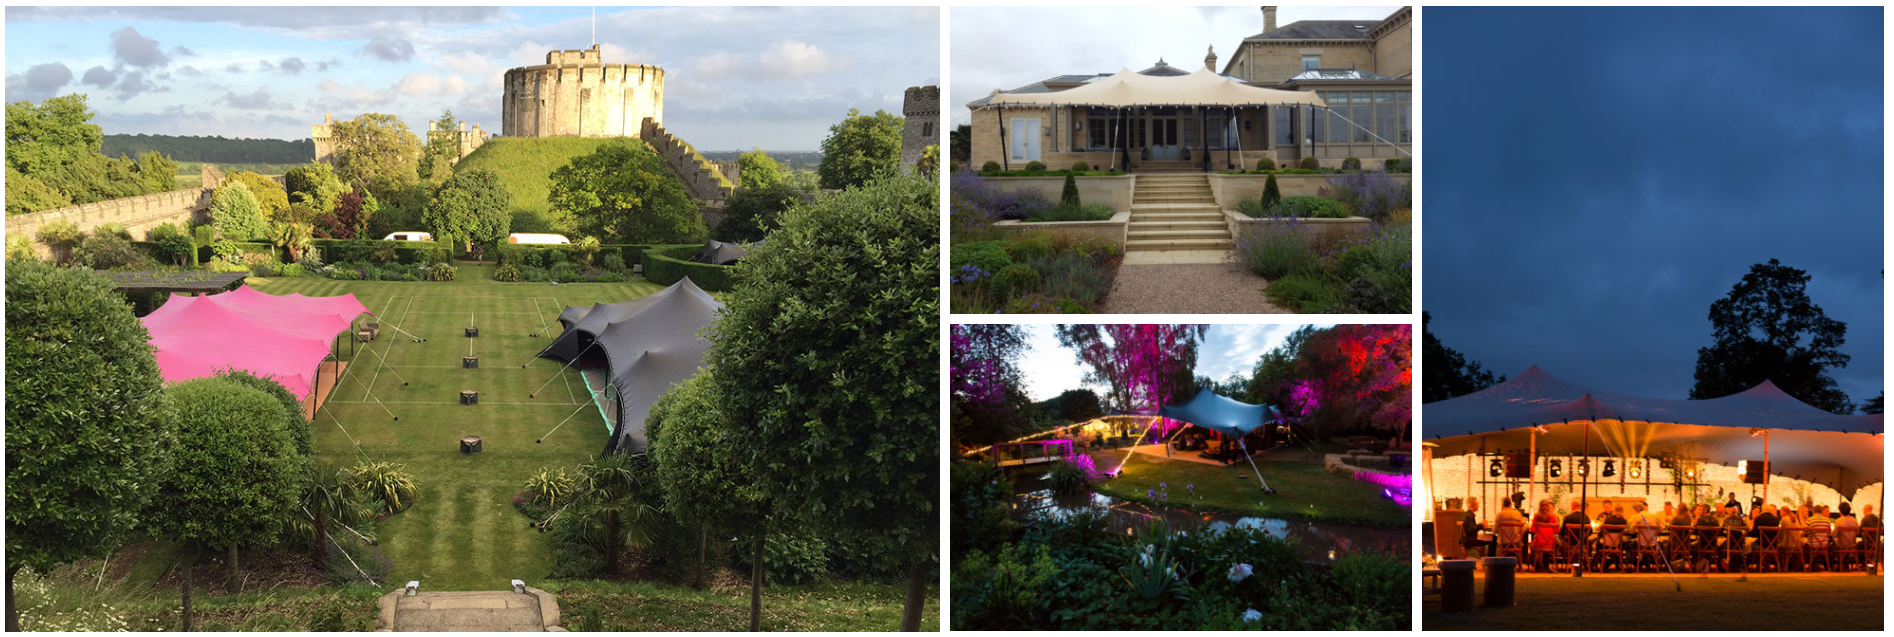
pixel 1593 179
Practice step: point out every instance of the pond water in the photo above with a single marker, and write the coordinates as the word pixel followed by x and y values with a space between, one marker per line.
pixel 1317 539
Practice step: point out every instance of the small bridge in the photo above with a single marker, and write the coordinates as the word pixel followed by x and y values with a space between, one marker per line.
pixel 1026 454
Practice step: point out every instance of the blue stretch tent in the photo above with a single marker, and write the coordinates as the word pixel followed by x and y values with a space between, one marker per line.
pixel 1221 414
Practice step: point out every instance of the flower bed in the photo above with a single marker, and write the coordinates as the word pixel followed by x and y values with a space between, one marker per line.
pixel 1312 272
pixel 999 264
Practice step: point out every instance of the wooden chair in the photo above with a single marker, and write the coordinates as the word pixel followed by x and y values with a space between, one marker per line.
pixel 1511 538
pixel 1447 534
pixel 1573 542
pixel 1767 540
pixel 1845 548
pixel 1646 547
pixel 1789 548
pixel 1707 552
pixel 1819 540
pixel 1871 545
pixel 1544 552
pixel 1682 544
pixel 1611 546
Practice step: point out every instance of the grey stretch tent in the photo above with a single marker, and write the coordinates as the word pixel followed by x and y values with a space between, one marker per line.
pixel 649 343
pixel 1221 414
pixel 717 252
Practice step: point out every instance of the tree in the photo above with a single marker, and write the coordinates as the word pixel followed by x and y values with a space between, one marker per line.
pixel 700 480
pixel 235 213
pixel 859 149
pixel 89 428
pixel 158 172
pixel 981 364
pixel 756 169
pixel 237 476
pixel 624 193
pixel 585 247
pixel 470 207
pixel 827 346
pixel 1768 328
pixel 375 151
pixel 51 137
pixel 443 149
pixel 1350 375
pixel 332 498
pixel 1873 405
pixel 960 143
pixel 270 196
pixel 29 194
pixel 750 213
pixel 1448 372
pixel 1145 366
pixel 314 185
pixel 1079 405
pixel 612 503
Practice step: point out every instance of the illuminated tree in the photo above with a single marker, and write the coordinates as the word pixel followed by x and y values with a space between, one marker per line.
pixel 1144 366
pixel 981 361
pixel 1355 374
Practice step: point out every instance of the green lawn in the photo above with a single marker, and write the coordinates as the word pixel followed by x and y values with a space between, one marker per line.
pixel 525 166
pixel 1651 603
pixel 462 533
pixel 1304 490
pixel 645 606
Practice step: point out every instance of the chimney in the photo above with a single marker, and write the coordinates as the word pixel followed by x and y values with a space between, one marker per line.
pixel 1269 19
pixel 1210 60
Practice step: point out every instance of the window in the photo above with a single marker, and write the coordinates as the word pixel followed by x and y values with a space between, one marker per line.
pixel 1284 116
pixel 1363 114
pixel 927 129
pixel 1318 121
pixel 1311 62
pixel 1385 115
pixel 1406 99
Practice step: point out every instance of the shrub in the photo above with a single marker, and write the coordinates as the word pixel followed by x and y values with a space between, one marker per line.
pixel 990 256
pixel 787 559
pixel 556 256
pixel 292 270
pixel 1351 163
pixel 385 484
pixel 1381 279
pixel 990 167
pixel 1081 167
pixel 1064 478
pixel 1272 194
pixel 1035 166
pixel 1371 195
pixel 442 272
pixel 565 273
pixel 613 262
pixel 1312 207
pixel 1074 276
pixel 1311 163
pixel 1354 261
pixel 1305 292
pixel 670 264
pixel 507 273
pixel 173 244
pixel 107 251
pixel 1072 212
pixel 1265 164
pixel 1014 280
pixel 1278 249
pixel 114 229
pixel 1069 195
pixel 63 236
pixel 19 247
pixel 1028 248
pixel 1395 165
pixel 550 488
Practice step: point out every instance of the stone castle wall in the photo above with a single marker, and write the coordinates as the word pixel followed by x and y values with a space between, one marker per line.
pixel 137 214
pixel 576 94
pixel 324 137
pixel 921 109
pixel 466 140
pixel 701 177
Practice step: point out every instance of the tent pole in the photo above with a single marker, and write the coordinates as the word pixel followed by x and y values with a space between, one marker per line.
pixel 1765 466
pixel 1259 473
pixel 1532 466
pixel 1006 152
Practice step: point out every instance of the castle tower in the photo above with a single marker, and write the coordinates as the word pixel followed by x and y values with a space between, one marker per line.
pixel 576 94
pixel 921 109
pixel 325 142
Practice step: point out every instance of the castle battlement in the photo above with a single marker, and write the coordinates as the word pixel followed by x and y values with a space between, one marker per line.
pixel 577 94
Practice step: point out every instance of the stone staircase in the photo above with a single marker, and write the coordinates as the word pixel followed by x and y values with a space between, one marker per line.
pixel 1175 211
pixel 484 611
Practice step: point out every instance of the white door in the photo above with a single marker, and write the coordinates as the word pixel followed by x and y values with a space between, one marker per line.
pixel 1024 136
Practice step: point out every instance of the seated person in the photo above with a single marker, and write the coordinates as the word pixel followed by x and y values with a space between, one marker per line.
pixel 1706 520
pixel 1847 529
pixel 1765 519
pixel 1508 515
pixel 1819 528
pixel 1470 528
pixel 1571 537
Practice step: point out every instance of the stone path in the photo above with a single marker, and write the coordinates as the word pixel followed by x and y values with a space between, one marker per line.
pixel 532 611
pixel 1204 288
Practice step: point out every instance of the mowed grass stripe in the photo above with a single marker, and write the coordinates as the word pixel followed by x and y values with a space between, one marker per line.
pixel 463 534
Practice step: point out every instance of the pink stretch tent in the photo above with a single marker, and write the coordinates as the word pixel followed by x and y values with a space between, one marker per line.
pixel 268 335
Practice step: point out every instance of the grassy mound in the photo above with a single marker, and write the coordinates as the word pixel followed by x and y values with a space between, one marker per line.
pixel 525 166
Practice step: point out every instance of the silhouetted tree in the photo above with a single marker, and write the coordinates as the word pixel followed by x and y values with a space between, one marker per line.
pixel 1769 329
pixel 1448 372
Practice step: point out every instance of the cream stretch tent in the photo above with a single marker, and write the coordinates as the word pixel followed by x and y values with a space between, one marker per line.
pixel 1128 88
pixel 649 344
pixel 1843 452
pixel 269 335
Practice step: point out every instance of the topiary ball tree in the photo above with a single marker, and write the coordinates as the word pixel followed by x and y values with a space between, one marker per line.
pixel 89 427
pixel 237 478
pixel 299 429
pixel 700 480
pixel 827 359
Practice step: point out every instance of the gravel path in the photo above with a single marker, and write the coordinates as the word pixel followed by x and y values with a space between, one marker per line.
pixel 1215 288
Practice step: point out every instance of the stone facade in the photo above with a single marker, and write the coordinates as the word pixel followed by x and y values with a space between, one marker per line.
pixel 577 94
pixel 137 214
pixel 921 110
pixel 701 177
pixel 1272 57
pixel 466 141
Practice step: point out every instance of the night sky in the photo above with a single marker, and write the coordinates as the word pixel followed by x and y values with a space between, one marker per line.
pixel 1593 179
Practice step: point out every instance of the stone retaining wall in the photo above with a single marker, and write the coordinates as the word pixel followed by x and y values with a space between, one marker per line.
pixel 1114 191
pixel 1229 189
pixel 1241 225
pixel 1112 230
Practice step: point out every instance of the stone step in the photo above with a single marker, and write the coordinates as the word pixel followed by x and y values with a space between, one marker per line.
pixel 1201 200
pixel 1201 208
pixel 1180 224
pixel 1136 233
pixel 1179 178
pixel 1143 245
pixel 468 619
pixel 1173 217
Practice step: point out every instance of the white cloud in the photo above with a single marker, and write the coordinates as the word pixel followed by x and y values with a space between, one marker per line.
pixel 790 58
pixel 466 63
pixel 426 84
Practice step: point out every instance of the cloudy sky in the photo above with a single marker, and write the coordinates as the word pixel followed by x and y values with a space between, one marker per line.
pixel 1587 224
pixel 989 51
pixel 770 77
pixel 1050 369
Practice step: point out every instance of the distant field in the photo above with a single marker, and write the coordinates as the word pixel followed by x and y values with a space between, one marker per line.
pixel 525 168
pixel 191 168
pixel 797 159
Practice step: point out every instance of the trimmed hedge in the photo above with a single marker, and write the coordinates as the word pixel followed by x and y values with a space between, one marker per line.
pixel 665 265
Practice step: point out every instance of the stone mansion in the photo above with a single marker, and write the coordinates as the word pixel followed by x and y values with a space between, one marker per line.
pixel 1362 70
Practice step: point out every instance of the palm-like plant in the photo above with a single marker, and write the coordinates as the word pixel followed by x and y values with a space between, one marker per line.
pixel 613 500
pixel 384 482
pixel 292 236
pixel 586 247
pixel 333 498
